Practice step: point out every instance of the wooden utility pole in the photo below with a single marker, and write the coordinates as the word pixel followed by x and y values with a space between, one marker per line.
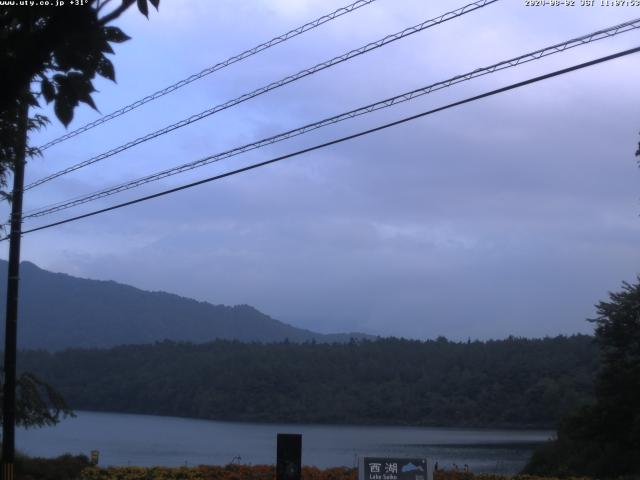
pixel 13 283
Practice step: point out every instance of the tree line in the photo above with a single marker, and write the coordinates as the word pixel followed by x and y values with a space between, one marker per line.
pixel 602 439
pixel 514 382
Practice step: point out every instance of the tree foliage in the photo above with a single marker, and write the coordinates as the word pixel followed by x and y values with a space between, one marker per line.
pixel 512 383
pixel 51 54
pixel 38 404
pixel 603 439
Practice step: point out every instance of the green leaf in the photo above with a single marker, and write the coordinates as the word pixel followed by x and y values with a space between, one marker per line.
pixel 86 98
pixel 143 7
pixel 155 3
pixel 114 34
pixel 64 110
pixel 32 101
pixel 73 88
pixel 106 47
pixel 105 69
pixel 48 91
pixel 37 122
pixel 77 88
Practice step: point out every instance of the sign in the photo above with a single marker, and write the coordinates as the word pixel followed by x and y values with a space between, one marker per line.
pixel 393 468
pixel 289 456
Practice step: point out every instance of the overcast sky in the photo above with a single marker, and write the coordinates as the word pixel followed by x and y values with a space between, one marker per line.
pixel 511 215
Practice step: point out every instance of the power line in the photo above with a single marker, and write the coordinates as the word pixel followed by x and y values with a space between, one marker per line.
pixel 560 47
pixel 272 86
pixel 208 71
pixel 340 140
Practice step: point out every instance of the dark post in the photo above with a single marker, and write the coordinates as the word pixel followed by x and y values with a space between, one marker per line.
pixel 289 461
pixel 11 319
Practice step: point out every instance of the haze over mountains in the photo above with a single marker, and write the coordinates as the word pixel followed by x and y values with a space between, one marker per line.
pixel 58 311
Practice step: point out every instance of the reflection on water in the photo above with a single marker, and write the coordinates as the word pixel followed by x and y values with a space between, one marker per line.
pixel 149 440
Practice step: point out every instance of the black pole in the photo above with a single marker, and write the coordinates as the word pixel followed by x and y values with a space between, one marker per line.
pixel 13 281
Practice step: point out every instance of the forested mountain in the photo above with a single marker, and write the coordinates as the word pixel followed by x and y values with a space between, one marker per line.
pixel 59 311
pixel 510 383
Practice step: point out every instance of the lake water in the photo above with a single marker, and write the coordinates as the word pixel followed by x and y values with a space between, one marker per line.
pixel 145 440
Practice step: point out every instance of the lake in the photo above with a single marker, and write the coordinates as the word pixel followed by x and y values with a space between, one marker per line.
pixel 145 440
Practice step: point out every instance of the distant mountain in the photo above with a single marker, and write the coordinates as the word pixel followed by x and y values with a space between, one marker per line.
pixel 59 311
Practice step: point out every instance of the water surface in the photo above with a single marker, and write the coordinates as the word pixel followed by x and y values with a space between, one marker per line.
pixel 145 440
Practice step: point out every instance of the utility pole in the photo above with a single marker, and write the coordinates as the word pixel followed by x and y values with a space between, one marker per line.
pixel 13 283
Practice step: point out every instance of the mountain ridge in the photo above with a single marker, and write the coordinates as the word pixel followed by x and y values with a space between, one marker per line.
pixel 58 311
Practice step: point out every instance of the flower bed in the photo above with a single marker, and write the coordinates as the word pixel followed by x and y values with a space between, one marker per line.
pixel 260 472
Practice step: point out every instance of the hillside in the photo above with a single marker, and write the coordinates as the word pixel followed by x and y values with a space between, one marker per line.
pixel 509 383
pixel 59 311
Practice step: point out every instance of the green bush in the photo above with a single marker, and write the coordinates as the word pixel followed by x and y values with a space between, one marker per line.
pixel 65 467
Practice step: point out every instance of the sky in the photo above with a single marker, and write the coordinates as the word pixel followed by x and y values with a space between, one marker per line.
pixel 512 215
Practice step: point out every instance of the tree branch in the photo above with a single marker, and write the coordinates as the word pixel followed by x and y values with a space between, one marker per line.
pixel 102 4
pixel 117 12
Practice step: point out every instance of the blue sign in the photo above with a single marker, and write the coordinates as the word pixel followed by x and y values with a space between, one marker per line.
pixel 391 468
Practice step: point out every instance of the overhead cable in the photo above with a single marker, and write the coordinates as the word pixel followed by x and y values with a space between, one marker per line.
pixel 404 97
pixel 272 86
pixel 209 70
pixel 339 140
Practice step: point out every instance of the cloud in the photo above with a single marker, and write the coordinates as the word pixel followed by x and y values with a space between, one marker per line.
pixel 511 215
